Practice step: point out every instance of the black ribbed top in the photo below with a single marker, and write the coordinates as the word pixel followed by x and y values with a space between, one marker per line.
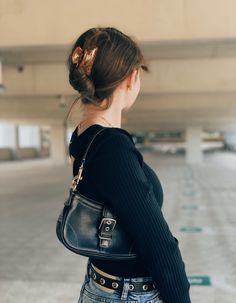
pixel 116 174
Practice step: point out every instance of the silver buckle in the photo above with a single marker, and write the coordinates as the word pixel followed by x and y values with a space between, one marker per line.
pixel 104 242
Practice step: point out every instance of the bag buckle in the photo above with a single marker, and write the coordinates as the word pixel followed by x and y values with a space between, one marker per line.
pixel 106 228
pixel 110 222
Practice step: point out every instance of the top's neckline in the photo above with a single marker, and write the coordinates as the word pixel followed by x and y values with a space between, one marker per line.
pixel 84 131
pixel 87 129
pixel 96 125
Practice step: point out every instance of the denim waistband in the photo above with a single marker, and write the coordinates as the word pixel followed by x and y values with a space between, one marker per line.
pixel 122 294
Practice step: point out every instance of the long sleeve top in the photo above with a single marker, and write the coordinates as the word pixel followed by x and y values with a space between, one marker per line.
pixel 116 174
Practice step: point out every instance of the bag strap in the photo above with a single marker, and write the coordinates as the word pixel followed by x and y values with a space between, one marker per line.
pixel 78 177
pixel 108 220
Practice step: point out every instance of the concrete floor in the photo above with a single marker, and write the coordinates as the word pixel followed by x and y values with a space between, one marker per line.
pixel 199 206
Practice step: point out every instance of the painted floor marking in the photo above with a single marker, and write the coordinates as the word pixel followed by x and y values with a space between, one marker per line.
pixel 200 280
pixel 189 229
pixel 224 230
pixel 190 206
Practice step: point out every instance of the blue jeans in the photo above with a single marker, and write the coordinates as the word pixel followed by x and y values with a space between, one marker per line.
pixel 90 293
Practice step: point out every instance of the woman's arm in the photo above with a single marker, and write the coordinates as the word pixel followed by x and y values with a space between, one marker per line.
pixel 121 182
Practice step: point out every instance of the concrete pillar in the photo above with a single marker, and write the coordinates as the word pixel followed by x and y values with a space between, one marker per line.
pixel 41 147
pixel 194 153
pixel 58 148
pixel 17 142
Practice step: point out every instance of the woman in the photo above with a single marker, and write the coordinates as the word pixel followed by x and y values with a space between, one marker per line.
pixel 105 69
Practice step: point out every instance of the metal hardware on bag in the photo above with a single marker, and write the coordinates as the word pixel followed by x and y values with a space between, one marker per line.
pixel 102 281
pixel 77 178
pixel 73 182
pixel 104 243
pixel 108 221
pixel 105 240
pixel 80 172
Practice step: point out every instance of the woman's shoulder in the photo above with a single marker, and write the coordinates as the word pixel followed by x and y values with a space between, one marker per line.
pixel 117 142
pixel 118 133
pixel 109 136
pixel 114 139
pixel 107 132
pixel 102 140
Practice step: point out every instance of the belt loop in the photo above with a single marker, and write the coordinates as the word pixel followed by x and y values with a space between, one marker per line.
pixel 87 276
pixel 125 290
pixel 88 266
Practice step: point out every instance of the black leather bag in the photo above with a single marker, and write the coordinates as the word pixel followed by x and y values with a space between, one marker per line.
pixel 88 228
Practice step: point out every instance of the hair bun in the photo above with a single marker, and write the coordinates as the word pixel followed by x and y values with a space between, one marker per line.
pixel 81 83
pixel 117 55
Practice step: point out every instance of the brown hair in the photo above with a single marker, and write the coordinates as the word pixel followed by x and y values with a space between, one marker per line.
pixel 117 56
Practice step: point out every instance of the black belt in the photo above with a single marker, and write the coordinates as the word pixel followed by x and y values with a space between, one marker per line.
pixel 119 284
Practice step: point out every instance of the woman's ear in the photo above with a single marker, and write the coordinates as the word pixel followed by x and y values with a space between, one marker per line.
pixel 131 79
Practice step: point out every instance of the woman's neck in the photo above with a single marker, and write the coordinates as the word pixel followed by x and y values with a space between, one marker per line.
pixel 110 116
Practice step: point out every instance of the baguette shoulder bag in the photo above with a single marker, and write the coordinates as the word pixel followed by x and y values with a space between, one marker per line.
pixel 88 228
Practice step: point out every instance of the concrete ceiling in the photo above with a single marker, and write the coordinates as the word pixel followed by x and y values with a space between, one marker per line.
pixel 174 96
pixel 190 47
pixel 181 49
